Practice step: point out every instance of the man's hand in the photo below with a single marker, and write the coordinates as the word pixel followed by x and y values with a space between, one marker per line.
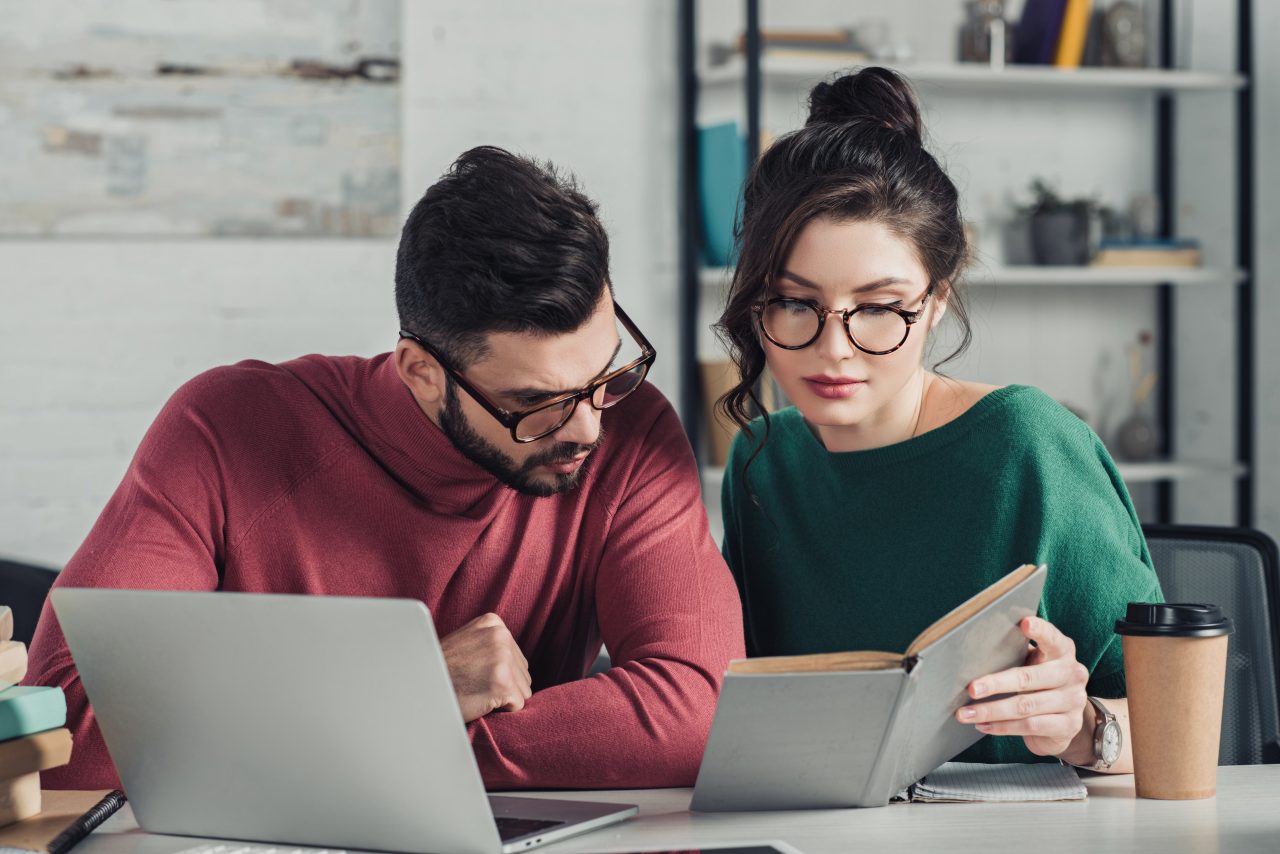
pixel 488 670
pixel 1049 707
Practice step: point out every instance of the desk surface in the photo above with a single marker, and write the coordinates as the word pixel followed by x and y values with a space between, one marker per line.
pixel 1244 817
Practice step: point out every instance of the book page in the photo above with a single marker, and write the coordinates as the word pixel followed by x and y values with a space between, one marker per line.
pixel 966 610
pixel 827 662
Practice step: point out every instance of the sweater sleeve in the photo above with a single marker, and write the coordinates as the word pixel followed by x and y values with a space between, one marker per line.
pixel 1088 532
pixel 670 618
pixel 160 530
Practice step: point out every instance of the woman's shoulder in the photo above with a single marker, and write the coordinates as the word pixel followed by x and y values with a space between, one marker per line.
pixel 1019 410
pixel 776 435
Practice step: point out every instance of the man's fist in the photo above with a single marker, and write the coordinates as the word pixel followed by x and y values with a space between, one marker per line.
pixel 488 670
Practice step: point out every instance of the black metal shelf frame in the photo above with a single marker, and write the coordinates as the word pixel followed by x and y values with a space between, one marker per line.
pixel 691 237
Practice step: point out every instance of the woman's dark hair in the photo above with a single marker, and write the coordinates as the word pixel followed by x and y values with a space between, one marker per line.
pixel 499 244
pixel 859 157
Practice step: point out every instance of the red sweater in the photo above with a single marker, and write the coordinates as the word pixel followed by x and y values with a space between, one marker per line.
pixel 323 476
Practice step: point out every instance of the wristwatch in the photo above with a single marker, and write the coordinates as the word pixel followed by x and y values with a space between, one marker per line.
pixel 1107 738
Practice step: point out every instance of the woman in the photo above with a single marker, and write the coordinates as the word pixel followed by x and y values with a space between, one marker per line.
pixel 889 494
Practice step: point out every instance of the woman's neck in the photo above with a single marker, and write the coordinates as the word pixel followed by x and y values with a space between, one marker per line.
pixel 898 420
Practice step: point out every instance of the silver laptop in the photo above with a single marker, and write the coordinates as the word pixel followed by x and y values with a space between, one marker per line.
pixel 306 720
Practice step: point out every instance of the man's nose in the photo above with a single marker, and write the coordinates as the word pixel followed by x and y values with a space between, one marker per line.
pixel 583 426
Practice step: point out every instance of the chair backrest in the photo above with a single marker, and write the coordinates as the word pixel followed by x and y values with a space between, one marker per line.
pixel 1237 569
pixel 24 588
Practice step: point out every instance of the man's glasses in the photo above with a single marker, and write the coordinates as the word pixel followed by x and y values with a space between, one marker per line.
pixel 531 424
pixel 877 330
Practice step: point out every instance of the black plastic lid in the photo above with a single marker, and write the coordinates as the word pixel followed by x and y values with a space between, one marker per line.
pixel 1174 620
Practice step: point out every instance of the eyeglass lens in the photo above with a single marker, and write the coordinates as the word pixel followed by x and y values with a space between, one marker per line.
pixel 793 323
pixel 543 421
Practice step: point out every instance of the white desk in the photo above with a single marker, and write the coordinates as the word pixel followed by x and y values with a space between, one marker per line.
pixel 1243 818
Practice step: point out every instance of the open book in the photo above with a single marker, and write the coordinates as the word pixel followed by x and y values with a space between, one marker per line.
pixel 852 729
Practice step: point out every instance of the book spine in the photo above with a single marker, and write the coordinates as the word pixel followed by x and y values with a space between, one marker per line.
pixel 25 710
pixel 884 771
pixel 1075 26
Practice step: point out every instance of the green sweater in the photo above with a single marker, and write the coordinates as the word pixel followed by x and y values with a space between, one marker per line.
pixel 864 549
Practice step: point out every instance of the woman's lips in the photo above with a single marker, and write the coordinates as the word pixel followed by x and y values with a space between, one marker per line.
pixel 834 388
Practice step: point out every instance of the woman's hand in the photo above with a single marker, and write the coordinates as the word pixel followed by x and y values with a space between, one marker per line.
pixel 1049 707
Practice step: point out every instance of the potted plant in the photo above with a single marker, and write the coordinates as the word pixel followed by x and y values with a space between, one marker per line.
pixel 1062 231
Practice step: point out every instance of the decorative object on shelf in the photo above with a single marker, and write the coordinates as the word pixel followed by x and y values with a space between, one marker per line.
pixel 1137 439
pixel 717 378
pixel 722 166
pixel 1124 36
pixel 1062 232
pixel 839 46
pixel 985 35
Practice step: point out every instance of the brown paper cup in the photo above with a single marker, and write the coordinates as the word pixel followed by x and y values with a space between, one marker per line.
pixel 1175 689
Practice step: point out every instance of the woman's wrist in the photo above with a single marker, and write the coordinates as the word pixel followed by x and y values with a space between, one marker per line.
pixel 1081 750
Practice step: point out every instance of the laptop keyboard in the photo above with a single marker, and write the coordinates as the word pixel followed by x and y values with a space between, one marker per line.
pixel 508 828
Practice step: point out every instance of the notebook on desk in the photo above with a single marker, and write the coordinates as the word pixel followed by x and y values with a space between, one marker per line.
pixel 306 720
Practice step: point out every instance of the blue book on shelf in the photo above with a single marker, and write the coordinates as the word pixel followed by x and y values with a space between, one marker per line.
pixel 722 166
pixel 28 709
pixel 1036 39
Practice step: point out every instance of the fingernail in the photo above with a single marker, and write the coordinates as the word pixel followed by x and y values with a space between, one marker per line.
pixel 979 689
pixel 967 714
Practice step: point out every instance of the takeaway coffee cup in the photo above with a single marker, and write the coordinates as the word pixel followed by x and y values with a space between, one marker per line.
pixel 1175 664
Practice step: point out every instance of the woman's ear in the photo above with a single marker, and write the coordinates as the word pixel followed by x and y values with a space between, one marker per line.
pixel 940 295
pixel 421 374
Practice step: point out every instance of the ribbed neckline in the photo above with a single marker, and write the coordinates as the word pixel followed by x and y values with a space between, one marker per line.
pixel 414 447
pixel 791 421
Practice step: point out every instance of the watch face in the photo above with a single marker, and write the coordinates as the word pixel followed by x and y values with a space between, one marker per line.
pixel 1110 742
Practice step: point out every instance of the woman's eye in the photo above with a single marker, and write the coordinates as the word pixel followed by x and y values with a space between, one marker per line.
pixel 795 306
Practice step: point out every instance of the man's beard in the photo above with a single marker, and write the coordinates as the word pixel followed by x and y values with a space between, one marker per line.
pixel 519 477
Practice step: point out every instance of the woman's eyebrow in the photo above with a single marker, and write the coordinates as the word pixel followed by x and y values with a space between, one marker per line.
pixel 878 284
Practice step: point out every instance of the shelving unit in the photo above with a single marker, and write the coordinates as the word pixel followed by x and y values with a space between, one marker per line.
pixel 754 72
pixel 970 77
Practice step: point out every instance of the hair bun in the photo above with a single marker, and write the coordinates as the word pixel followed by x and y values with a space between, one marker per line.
pixel 874 95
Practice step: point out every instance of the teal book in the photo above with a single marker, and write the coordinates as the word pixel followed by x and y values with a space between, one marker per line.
pixel 722 166
pixel 28 709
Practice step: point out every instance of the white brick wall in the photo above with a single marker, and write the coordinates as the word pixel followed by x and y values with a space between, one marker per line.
pixel 95 335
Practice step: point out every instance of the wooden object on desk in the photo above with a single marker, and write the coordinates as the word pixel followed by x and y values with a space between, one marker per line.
pixel 13 662
pixel 61 809
pixel 39 752
pixel 19 797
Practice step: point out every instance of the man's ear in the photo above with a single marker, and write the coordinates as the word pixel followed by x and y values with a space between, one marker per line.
pixel 421 374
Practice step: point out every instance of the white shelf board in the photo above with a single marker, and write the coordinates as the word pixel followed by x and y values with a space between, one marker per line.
pixel 1177 470
pixel 1131 472
pixel 976 77
pixel 718 277
pixel 1103 276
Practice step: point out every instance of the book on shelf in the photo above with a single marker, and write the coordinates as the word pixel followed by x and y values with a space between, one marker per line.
pixel 1036 39
pixel 1075 30
pixel 1147 253
pixel 853 729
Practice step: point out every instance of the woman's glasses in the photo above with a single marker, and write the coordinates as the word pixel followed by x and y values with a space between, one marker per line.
pixel 877 330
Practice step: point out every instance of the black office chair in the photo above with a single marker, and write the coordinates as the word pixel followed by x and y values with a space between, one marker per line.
pixel 1238 569
pixel 24 588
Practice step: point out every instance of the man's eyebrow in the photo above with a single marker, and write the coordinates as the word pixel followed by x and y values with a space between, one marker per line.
pixel 878 284
pixel 535 393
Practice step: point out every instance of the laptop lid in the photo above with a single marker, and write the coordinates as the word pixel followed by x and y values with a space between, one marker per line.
pixel 312 720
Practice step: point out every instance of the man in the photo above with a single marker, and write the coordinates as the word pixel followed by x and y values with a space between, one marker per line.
pixel 470 469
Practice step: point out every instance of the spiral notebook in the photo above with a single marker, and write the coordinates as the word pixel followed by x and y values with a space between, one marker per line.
pixel 971 782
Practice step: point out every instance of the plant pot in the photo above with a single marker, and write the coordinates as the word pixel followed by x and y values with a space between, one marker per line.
pixel 1060 237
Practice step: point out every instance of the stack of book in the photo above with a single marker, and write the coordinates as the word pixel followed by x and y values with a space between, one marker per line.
pixel 840 47
pixel 1063 33
pixel 33 736
pixel 1147 253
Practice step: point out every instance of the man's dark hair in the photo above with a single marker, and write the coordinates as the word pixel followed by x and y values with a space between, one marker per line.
pixel 500 243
